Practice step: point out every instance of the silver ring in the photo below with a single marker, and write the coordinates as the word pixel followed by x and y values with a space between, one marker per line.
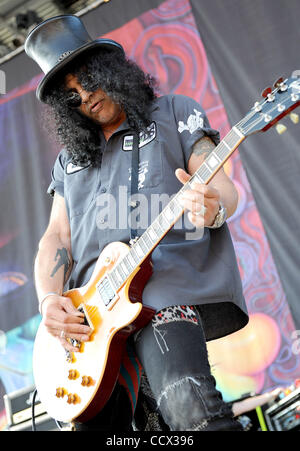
pixel 201 212
pixel 62 334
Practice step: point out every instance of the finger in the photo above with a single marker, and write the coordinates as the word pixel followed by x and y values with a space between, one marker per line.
pixel 68 346
pixel 195 207
pixel 193 196
pixel 70 308
pixel 182 175
pixel 66 342
pixel 60 317
pixel 75 336
pixel 196 220
pixel 206 190
pixel 55 327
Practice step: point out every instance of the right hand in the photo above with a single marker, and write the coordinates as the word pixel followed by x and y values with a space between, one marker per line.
pixel 59 314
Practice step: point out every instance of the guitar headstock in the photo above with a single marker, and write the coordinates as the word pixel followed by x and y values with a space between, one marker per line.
pixel 277 102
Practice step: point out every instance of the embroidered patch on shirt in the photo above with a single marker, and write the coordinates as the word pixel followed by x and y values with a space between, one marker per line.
pixel 194 122
pixel 144 138
pixel 71 168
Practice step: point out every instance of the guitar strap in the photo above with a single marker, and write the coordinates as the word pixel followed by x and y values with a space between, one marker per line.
pixel 134 180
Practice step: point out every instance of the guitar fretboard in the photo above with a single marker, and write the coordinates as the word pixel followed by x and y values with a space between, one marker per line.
pixel 145 244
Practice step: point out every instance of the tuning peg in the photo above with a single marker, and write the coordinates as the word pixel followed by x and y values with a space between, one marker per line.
pixel 278 82
pixel 280 128
pixel 266 92
pixel 294 118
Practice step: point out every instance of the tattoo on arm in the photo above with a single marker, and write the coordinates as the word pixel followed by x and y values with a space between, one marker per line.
pixel 204 146
pixel 62 259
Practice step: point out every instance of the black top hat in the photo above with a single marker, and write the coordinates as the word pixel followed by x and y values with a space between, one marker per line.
pixel 56 42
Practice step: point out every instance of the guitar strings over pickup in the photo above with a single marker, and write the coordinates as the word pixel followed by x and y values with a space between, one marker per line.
pixel 106 291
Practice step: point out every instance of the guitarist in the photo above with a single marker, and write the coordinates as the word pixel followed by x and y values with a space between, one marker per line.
pixel 97 100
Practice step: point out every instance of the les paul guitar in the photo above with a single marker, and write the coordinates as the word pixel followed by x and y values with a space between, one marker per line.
pixel 77 385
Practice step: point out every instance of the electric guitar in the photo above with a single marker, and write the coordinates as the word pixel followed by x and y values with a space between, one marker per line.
pixel 76 386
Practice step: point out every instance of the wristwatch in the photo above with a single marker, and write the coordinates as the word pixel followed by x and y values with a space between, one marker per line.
pixel 220 218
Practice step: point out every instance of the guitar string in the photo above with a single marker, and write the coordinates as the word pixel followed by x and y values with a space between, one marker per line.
pixel 270 111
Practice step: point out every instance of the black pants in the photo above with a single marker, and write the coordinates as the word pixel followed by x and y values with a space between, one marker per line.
pixel 178 392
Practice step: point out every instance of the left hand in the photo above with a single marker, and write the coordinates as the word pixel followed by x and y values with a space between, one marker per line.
pixel 194 200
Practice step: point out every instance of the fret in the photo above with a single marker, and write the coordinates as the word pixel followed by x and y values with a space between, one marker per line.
pixel 138 249
pixel 124 268
pixel 238 133
pixel 232 138
pixel 227 145
pixel 213 160
pixel 176 207
pixel 169 214
pixel 157 229
pixel 126 261
pixel 186 186
pixel 121 272
pixel 152 234
pixel 163 223
pixel 131 259
pixel 148 240
pixel 118 275
pixel 197 176
pixel 143 245
pixel 204 172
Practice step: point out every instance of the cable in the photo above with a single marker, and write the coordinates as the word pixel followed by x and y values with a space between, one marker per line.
pixel 58 423
pixel 32 410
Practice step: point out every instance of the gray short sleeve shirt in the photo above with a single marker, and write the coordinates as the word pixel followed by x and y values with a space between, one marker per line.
pixel 200 271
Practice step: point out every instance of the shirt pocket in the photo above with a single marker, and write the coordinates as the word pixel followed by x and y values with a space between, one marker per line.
pixel 80 188
pixel 150 165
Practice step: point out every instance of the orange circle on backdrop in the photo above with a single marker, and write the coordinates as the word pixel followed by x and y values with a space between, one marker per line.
pixel 250 350
pixel 233 386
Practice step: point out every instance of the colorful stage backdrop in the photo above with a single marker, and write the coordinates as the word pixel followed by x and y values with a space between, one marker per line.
pixel 166 42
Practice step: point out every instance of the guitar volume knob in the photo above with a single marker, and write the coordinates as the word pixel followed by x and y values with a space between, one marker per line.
pixel 86 381
pixel 72 398
pixel 60 392
pixel 73 374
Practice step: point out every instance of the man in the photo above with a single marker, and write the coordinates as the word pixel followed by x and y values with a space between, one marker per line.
pixel 99 102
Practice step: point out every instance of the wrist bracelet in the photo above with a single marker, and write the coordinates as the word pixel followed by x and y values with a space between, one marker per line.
pixel 220 218
pixel 51 293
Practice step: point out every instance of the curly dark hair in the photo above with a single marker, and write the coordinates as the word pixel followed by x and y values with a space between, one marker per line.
pixel 121 79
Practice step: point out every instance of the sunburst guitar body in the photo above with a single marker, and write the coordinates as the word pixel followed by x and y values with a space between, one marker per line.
pixel 78 385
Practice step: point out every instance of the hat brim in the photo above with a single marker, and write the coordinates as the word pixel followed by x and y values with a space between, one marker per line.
pixel 103 43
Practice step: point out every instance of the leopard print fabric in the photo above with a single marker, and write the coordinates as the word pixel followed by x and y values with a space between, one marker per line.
pixel 176 313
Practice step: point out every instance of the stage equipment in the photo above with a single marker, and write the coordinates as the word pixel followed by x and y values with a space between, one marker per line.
pixel 18 406
pixel 284 413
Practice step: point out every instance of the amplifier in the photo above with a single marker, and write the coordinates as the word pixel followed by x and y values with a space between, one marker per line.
pixel 18 407
pixel 284 415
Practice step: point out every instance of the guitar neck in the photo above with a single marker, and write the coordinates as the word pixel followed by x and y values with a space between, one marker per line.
pixel 147 242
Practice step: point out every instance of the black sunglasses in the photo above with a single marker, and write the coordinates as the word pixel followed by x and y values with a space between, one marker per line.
pixel 73 100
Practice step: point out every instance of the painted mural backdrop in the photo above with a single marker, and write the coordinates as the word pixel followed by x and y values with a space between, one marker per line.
pixel 166 42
